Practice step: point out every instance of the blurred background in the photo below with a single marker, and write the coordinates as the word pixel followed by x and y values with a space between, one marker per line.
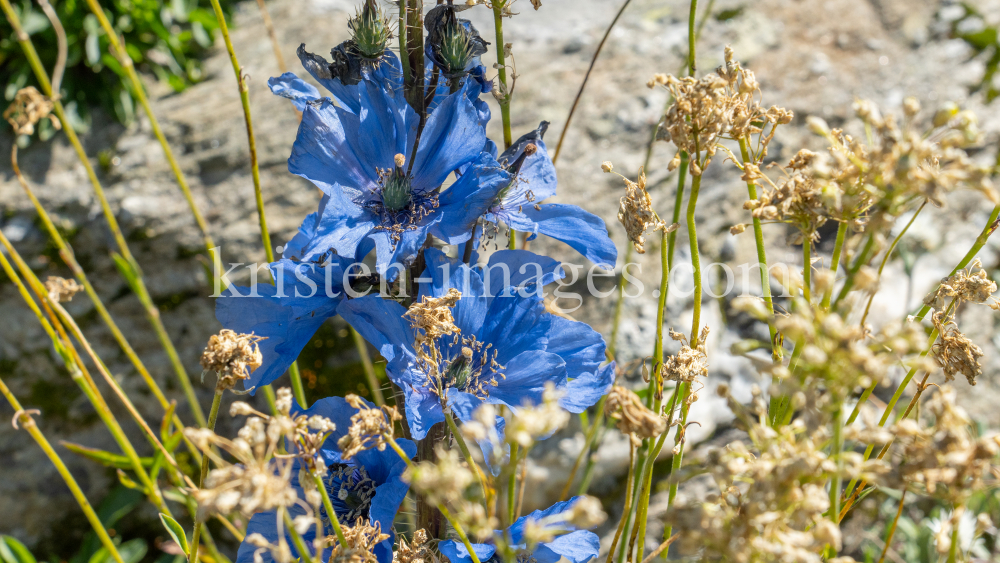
pixel 814 57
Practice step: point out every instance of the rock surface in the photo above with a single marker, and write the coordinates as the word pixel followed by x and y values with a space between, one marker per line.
pixel 812 57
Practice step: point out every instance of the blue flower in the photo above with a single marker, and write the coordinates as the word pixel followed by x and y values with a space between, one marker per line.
pixel 378 198
pixel 286 315
pixel 369 485
pixel 509 347
pixel 524 180
pixel 577 546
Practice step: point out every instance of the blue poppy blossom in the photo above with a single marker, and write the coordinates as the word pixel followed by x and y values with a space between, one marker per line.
pixel 509 347
pixel 369 486
pixel 378 198
pixel 526 177
pixel 577 546
pixel 286 314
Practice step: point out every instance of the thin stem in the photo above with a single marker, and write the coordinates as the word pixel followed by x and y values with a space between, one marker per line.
pixel 265 235
pixel 213 415
pixel 466 453
pixel 403 58
pixel 61 47
pixel 892 528
pixel 512 483
pixel 628 502
pixel 692 38
pixel 366 363
pixel 953 549
pixel 328 506
pixel 136 282
pixel 885 259
pixel 838 246
pixel 140 94
pixel 695 258
pixel 444 510
pixel 413 81
pixel 505 92
pixel 588 442
pixel 861 260
pixel 661 548
pixel 807 269
pixel 586 77
pixel 24 418
pixel 297 541
pixel 269 26
pixel 837 449
pixel 765 278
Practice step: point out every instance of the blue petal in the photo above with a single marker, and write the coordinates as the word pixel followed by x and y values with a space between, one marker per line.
pixel 538 171
pixel 452 138
pixel 339 226
pixel 581 346
pixel 525 377
pixel 587 389
pixel 516 530
pixel 457 553
pixel 265 524
pixel 578 547
pixel 519 269
pixel 469 198
pixel 516 325
pixel 423 410
pixel 287 323
pixel 294 88
pixel 583 231
pixel 381 323
pixel 385 503
pixel 391 257
pixel 319 68
pixel 387 126
pixel 324 155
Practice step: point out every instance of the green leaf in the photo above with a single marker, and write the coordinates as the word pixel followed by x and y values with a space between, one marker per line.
pixel 175 530
pixel 128 482
pixel 104 458
pixel 126 270
pixel 13 551
pixel 165 423
pixel 131 551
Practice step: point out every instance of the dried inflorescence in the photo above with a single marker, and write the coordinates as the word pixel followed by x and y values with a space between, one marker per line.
pixel 417 551
pixel 631 416
pixel 944 459
pixel 772 498
pixel 62 290
pixel 361 538
pixel 370 428
pixel 796 199
pixel 585 512
pixel 635 210
pixel 954 352
pixel 28 108
pixel 232 356
pixel 749 117
pixel 431 318
pixel 700 115
pixel 688 364
pixel 448 481
pixel 969 285
pixel 535 422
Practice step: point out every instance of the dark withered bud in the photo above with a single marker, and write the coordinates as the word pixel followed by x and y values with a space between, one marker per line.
pixel 519 149
pixel 453 44
pixel 346 65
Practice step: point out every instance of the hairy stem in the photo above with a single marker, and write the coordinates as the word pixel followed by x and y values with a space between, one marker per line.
pixel 505 93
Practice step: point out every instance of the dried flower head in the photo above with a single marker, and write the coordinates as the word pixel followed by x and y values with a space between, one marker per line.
pixel 432 317
pixel 966 285
pixel 370 428
pixel 631 415
pixel 531 423
pixel 688 364
pixel 635 211
pixel 62 290
pixel 449 480
pixel 699 116
pixel 28 108
pixel 361 538
pixel 954 351
pixel 418 551
pixel 232 356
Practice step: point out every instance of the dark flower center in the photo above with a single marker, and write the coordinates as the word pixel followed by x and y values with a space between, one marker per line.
pixel 397 191
pixel 351 491
pixel 473 370
pixel 399 207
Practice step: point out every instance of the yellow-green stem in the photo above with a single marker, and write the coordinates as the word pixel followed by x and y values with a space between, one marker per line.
pixel 835 453
pixel 504 99
pixel 628 502
pixel 366 363
pixel 139 285
pixel 460 440
pixel 863 257
pixel 29 425
pixel 297 541
pixel 459 531
pixel 953 549
pixel 807 269
pixel 213 415
pixel 512 483
pixel 695 258
pixel 328 506
pixel 892 528
pixel 838 246
pixel 265 235
pixel 885 259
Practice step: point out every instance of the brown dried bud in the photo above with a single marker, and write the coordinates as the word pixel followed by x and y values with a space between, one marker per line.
pixel 62 290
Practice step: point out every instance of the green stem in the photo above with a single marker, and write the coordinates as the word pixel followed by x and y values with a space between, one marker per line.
pixel 366 363
pixel 692 38
pixel 504 100
pixel 328 506
pixel 512 483
pixel 265 234
pixel 838 246
pixel 837 448
pixel 892 527
pixel 136 282
pixel 765 278
pixel 861 260
pixel 139 92
pixel 460 440
pixel 29 424
pixel 628 502
pixel 807 269
pixel 885 259
pixel 588 443
pixel 953 550
pixel 297 541
pixel 444 510
pixel 695 258
pixel 213 415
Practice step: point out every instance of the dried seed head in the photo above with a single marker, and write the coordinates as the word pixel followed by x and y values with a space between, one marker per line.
pixel 636 213
pixel 967 285
pixel 954 351
pixel 607 166
pixel 27 109
pixel 419 551
pixel 62 290
pixel 632 416
pixel 361 539
pixel 688 364
pixel 232 356
pixel 432 316
pixel 534 422
pixel 370 428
